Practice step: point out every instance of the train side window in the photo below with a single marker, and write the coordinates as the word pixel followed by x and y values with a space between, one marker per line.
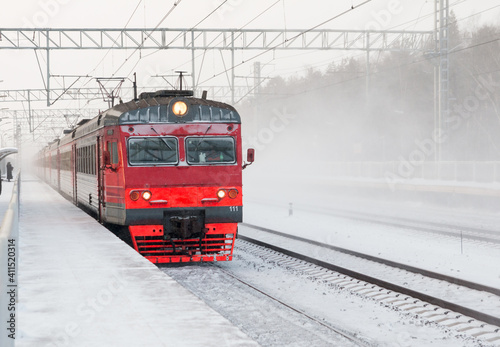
pixel 85 160
pixel 87 156
pixel 113 151
pixel 93 159
pixel 78 160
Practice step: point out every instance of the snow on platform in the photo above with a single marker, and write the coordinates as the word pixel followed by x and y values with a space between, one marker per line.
pixel 5 197
pixel 82 286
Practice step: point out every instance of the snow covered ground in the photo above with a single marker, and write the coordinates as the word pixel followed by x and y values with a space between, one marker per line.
pixel 79 285
pixel 263 320
pixel 5 196
pixel 272 324
pixel 471 260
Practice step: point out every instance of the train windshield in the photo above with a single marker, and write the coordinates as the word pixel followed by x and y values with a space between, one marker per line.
pixel 153 150
pixel 210 150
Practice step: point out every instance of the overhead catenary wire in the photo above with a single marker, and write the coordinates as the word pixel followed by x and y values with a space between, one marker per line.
pixel 214 39
pixel 292 38
pixel 192 28
pixel 458 2
pixel 174 6
pixel 125 27
pixel 109 50
pixel 176 3
pixel 355 56
pixel 315 89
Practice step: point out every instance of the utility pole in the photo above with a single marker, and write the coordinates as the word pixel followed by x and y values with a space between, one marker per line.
pixel 441 73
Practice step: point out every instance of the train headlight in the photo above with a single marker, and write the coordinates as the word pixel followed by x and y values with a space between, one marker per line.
pixel 134 195
pixel 233 193
pixel 221 193
pixel 146 195
pixel 180 108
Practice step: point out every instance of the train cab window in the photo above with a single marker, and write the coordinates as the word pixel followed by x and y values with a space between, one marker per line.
pixel 153 151
pixel 210 150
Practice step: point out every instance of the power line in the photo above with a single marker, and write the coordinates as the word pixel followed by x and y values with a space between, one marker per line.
pixel 411 21
pixel 192 28
pixel 126 25
pixel 261 13
pixel 292 38
pixel 203 54
pixel 174 6
pixel 162 20
pixel 109 50
pixel 309 90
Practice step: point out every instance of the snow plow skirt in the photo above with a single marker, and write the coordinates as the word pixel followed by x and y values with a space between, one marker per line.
pixel 216 244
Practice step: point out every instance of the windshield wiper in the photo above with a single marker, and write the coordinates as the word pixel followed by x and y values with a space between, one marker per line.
pixel 201 140
pixel 164 141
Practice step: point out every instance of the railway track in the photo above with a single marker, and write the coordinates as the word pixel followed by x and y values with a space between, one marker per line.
pixel 427 273
pixel 451 313
pixel 263 316
pixel 337 330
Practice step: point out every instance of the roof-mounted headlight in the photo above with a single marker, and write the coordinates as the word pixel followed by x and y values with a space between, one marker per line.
pixel 180 108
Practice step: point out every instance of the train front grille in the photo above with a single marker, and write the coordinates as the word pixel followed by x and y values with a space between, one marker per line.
pixel 210 244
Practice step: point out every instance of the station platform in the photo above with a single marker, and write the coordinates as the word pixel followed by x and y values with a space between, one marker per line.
pixel 79 285
pixel 5 196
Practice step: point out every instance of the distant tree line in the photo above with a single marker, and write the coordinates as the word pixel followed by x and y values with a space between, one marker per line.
pixel 338 117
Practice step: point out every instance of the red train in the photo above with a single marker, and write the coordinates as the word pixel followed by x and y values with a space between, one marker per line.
pixel 168 166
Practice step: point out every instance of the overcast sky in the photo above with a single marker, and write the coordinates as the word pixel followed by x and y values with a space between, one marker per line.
pixel 233 14
pixel 19 70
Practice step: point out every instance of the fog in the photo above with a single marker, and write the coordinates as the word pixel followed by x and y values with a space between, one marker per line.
pixel 323 126
pixel 338 133
pixel 347 135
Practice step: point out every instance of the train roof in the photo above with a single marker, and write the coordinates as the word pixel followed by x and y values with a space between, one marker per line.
pixel 157 108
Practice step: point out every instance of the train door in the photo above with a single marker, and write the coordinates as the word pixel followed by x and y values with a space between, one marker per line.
pixel 112 180
pixel 100 176
pixel 74 160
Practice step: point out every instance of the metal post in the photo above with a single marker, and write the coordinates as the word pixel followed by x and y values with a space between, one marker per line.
pixel 437 124
pixel 193 79
pixel 461 241
pixel 30 117
pixel 232 68
pixel 367 64
pixel 48 69
pixel 441 27
pixel 14 129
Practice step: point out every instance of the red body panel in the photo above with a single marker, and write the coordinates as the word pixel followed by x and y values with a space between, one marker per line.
pixel 183 197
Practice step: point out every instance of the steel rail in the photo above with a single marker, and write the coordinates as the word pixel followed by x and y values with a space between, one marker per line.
pixel 381 283
pixel 328 326
pixel 427 273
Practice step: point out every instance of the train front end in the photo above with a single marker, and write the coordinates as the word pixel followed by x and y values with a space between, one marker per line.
pixel 182 173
